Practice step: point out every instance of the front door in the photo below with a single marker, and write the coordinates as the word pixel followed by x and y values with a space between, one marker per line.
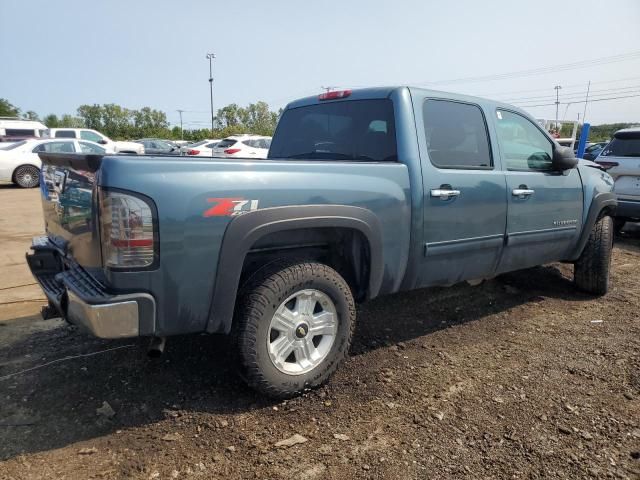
pixel 544 210
pixel 464 212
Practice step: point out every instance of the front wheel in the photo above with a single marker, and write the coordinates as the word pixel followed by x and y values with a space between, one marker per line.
pixel 294 325
pixel 591 270
pixel 27 176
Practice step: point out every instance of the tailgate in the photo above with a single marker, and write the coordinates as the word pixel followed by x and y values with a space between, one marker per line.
pixel 626 174
pixel 69 203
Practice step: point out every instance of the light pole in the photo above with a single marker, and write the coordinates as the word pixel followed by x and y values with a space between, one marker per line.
pixel 211 56
pixel 181 131
pixel 557 89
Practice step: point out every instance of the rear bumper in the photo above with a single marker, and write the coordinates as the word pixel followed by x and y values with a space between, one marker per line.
pixel 82 300
pixel 628 208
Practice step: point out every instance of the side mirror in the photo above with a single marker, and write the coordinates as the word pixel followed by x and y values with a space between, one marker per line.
pixel 102 142
pixel 563 158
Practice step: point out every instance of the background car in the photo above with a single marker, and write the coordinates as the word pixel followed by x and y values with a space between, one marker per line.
pixel 593 150
pixel 97 137
pixel 20 163
pixel 243 146
pixel 157 146
pixel 621 159
pixel 203 148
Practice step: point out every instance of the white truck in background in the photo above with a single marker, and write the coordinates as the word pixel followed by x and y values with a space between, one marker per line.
pixel 97 137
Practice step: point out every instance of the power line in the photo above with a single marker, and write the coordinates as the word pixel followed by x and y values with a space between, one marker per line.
pixel 590 101
pixel 581 98
pixel 574 94
pixel 635 55
pixel 546 89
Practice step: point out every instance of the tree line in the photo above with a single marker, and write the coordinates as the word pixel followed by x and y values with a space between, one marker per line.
pixel 122 123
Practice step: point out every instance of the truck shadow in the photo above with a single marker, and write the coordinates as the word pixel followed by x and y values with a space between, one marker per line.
pixel 54 406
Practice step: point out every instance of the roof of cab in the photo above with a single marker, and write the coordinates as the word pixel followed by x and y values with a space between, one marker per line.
pixel 385 92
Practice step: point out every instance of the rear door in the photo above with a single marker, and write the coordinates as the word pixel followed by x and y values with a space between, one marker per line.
pixel 544 210
pixel 464 211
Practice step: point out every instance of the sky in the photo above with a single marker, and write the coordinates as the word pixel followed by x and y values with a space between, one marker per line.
pixel 57 55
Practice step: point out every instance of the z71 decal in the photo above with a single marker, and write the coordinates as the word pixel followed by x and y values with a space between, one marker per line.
pixel 229 207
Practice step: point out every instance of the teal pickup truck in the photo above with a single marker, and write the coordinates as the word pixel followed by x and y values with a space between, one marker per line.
pixel 364 193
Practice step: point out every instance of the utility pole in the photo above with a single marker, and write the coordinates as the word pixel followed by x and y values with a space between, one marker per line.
pixel 211 56
pixel 181 131
pixel 586 100
pixel 557 89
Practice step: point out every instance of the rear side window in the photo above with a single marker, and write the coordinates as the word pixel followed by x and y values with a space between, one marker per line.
pixel 456 135
pixel 226 143
pixel 56 147
pixel 65 134
pixel 17 132
pixel 361 130
pixel 624 144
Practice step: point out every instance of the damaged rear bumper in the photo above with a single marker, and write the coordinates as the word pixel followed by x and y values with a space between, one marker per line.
pixel 82 300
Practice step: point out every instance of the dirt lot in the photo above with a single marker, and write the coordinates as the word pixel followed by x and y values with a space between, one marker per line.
pixel 521 377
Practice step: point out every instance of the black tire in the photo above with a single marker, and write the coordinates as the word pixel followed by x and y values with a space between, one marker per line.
pixel 591 270
pixel 26 176
pixel 618 224
pixel 258 302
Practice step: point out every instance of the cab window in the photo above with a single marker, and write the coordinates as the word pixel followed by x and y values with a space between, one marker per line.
pixel 89 135
pixel 523 145
pixel 456 135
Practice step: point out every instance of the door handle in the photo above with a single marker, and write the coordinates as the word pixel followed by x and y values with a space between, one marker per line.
pixel 522 192
pixel 444 193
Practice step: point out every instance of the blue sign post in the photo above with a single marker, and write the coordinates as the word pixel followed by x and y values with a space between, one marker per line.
pixel 583 139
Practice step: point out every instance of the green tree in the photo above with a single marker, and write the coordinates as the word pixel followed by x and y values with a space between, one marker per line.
pixel 91 116
pixel 7 109
pixel 31 115
pixel 51 121
pixel 69 121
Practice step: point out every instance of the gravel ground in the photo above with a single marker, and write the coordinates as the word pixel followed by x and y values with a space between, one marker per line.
pixel 520 377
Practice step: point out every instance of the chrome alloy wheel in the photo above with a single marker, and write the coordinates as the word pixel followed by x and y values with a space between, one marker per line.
pixel 302 331
pixel 27 176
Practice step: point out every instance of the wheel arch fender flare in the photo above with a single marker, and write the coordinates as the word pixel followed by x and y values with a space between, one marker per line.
pixel 245 230
pixel 603 201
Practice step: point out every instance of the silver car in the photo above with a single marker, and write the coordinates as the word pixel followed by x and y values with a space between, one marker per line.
pixel 621 158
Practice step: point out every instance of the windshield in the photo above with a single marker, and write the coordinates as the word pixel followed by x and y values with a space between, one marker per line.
pixel 623 147
pixel 349 130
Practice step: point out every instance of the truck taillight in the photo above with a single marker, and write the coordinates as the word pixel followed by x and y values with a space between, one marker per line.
pixel 231 151
pixel 607 165
pixel 127 231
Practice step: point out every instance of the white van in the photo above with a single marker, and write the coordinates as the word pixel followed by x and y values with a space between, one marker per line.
pixel 14 129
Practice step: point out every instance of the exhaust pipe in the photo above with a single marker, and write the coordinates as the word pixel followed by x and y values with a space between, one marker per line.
pixel 156 347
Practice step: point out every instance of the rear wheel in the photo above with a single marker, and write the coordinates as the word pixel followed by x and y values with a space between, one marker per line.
pixel 27 176
pixel 294 325
pixel 591 270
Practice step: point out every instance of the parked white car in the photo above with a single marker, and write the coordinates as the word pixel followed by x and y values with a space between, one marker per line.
pixel 20 164
pixel 16 128
pixel 203 148
pixel 97 137
pixel 242 146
